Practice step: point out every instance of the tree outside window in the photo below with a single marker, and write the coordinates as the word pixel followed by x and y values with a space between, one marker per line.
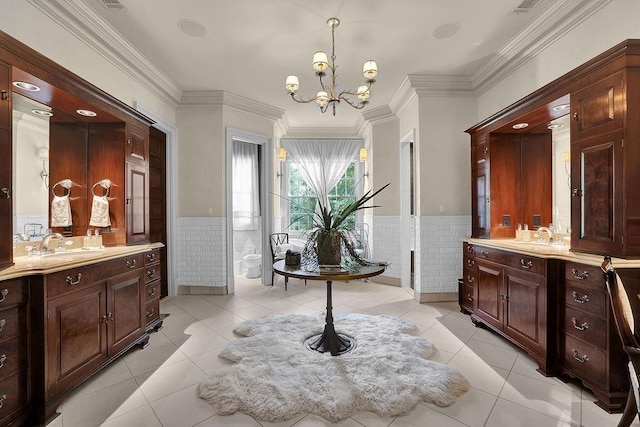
pixel 302 198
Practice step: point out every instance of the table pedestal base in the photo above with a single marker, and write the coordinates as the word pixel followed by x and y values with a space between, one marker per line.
pixel 330 341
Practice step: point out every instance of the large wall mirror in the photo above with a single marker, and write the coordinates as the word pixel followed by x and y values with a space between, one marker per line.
pixel 52 130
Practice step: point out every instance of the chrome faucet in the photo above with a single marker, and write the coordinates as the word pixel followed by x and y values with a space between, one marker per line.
pixel 548 230
pixel 46 241
pixel 21 237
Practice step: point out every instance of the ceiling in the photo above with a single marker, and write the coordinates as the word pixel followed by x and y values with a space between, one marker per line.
pixel 248 47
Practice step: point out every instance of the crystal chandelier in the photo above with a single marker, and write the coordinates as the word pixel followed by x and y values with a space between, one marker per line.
pixel 329 94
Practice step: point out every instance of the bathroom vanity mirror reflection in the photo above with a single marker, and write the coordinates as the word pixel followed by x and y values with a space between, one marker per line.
pixel 30 168
pixel 561 141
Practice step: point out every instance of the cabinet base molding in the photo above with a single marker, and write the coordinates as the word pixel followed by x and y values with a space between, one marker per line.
pixel 202 290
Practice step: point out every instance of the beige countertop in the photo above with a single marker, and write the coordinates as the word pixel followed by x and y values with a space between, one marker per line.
pixel 551 252
pixel 50 263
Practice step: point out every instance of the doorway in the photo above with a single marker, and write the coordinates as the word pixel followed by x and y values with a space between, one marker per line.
pixel 407 211
pixel 248 207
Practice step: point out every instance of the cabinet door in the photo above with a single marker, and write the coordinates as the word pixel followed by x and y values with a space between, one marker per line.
pixel 137 144
pixel 6 215
pixel 596 206
pixel 137 212
pixel 125 310
pixel 525 316
pixel 598 108
pixel 489 294
pixel 76 337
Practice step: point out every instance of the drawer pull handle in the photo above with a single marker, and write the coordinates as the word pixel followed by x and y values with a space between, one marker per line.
pixel 151 273
pixel 580 299
pixel 581 359
pixel 150 312
pixel 470 297
pixel 3 358
pixel 582 327
pixel 3 322
pixel 470 278
pixel 74 282
pixel 2 399
pixel 151 257
pixel 485 253
pixel 580 276
pixel 131 263
pixel 470 248
pixel 527 265
pixel 151 292
pixel 3 294
pixel 470 263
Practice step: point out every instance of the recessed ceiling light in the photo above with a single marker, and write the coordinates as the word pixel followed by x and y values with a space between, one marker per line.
pixel 520 125
pixel 554 125
pixel 561 107
pixel 27 86
pixel 86 113
pixel 45 113
pixel 445 31
pixel 192 28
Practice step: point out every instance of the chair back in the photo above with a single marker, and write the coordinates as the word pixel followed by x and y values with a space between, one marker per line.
pixel 623 287
pixel 277 239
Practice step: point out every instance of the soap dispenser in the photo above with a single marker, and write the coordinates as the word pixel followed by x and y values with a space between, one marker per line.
pixel 98 238
pixel 87 239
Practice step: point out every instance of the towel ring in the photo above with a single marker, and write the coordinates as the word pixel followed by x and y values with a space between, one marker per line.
pixel 99 184
pixel 58 184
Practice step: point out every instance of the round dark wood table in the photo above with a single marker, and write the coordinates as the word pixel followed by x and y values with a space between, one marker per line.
pixel 329 340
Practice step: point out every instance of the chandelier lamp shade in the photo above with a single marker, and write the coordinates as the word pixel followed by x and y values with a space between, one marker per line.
pixel 328 94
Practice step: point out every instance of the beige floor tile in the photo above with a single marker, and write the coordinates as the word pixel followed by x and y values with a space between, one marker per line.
pixel 115 373
pixel 481 375
pixel 235 420
pixel 211 361
pixel 444 339
pixel 498 356
pixel 204 343
pixel 420 318
pixel 421 416
pixel 152 358
pixel 183 408
pixel 540 396
pixel 315 421
pixel 472 408
pixel 507 413
pixel 169 379
pixel 370 419
pixel 139 417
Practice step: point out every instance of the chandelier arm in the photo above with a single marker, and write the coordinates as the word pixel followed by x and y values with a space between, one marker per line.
pixel 358 106
pixel 300 99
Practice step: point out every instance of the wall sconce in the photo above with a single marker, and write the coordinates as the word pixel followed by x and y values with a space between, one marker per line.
pixel 282 154
pixel 565 160
pixel 43 154
pixel 364 155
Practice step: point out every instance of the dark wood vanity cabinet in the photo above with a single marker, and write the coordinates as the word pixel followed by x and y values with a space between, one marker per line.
pixel 589 347
pixel 510 297
pixel 83 319
pixel 14 370
pixel 153 288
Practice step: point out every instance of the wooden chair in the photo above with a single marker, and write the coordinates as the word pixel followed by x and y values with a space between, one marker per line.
pixel 278 239
pixel 623 287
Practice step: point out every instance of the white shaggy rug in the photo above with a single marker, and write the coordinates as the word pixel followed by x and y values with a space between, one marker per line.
pixel 276 378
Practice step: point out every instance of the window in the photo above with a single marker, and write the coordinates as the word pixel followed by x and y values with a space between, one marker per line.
pixel 302 198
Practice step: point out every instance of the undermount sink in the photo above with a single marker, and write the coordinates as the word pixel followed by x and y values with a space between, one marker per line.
pixel 70 252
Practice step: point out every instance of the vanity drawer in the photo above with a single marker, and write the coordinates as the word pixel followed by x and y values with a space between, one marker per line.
pixel 153 256
pixel 585 360
pixel 12 292
pixel 152 290
pixel 10 323
pixel 152 272
pixel 70 280
pixel 584 275
pixel 588 328
pixel 518 261
pixel 152 310
pixel 13 354
pixel 585 299
pixel 13 393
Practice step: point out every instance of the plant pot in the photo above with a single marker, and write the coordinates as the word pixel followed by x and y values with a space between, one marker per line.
pixel 329 247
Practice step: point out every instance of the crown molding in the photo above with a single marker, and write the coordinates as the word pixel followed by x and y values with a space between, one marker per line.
pixel 221 98
pixel 322 132
pixel 81 21
pixel 39 124
pixel 556 21
pixel 379 114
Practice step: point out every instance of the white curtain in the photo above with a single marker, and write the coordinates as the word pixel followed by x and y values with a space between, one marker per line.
pixel 322 162
pixel 246 188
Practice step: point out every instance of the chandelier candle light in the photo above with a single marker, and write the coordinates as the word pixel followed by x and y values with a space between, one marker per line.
pixel 329 94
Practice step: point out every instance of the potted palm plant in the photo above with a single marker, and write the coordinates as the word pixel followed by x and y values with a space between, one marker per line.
pixel 329 235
